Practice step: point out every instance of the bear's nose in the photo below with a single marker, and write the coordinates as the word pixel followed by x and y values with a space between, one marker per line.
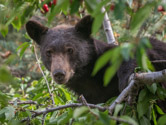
pixel 59 75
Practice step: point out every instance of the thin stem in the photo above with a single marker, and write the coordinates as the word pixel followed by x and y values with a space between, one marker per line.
pixel 38 62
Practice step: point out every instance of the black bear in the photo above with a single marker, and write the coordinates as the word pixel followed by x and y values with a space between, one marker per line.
pixel 70 53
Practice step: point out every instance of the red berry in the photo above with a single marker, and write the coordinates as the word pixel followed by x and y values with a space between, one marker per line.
pixel 71 1
pixel 160 8
pixel 45 8
pixel 112 7
pixel 50 4
pixel 54 2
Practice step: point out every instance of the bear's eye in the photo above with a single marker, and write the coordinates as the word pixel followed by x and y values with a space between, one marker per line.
pixel 48 53
pixel 70 50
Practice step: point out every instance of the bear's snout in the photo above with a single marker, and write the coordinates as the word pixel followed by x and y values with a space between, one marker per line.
pixel 60 68
pixel 59 75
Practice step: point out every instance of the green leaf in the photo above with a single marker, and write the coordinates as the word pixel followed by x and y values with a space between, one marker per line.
pixel 111 71
pixel 91 5
pixel 126 50
pixel 143 103
pixel 4 98
pixel 140 16
pixel 159 110
pixel 4 30
pixel 141 56
pixel 62 119
pixel 103 60
pixel 23 47
pixel 5 75
pixel 97 10
pixel 61 5
pixel 9 112
pixel 97 22
pixel 162 120
pixel 119 9
pixel 104 118
pixel 27 12
pixel 129 119
pixel 152 88
pixel 161 93
pixel 144 121
pixel 154 117
pixel 16 24
pixel 80 111
pixel 74 6
pixel 117 109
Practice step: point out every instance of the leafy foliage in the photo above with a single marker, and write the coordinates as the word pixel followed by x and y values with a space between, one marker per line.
pixel 131 20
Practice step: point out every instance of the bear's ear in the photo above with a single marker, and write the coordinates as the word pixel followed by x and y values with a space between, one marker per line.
pixel 84 26
pixel 35 30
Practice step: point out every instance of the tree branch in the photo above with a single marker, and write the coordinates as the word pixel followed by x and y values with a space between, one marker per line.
pixel 37 113
pixel 136 80
pixel 108 28
pixel 23 102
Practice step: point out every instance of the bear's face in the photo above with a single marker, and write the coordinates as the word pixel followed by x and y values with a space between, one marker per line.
pixel 64 49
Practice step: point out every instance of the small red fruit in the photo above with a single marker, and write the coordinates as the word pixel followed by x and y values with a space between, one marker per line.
pixel 45 8
pixel 50 4
pixel 160 8
pixel 112 7
pixel 54 2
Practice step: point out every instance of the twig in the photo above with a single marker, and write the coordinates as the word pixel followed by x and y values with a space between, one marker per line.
pixel 159 61
pixel 122 95
pixel 108 28
pixel 23 102
pixel 84 102
pixel 43 120
pixel 51 95
pixel 37 113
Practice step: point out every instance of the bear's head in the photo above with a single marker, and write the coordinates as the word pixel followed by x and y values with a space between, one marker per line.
pixel 64 49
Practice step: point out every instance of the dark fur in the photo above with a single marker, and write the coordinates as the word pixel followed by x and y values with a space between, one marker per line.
pixel 82 60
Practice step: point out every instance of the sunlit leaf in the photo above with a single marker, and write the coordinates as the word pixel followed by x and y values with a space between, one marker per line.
pixel 10 112
pixel 130 120
pixel 117 109
pixel 79 111
pixel 159 110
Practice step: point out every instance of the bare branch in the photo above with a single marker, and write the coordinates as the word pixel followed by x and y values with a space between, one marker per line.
pixel 37 113
pixel 137 80
pixel 38 62
pixel 159 61
pixel 23 102
pixel 122 95
pixel 43 119
pixel 108 28
pixel 84 102
pixel 151 77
